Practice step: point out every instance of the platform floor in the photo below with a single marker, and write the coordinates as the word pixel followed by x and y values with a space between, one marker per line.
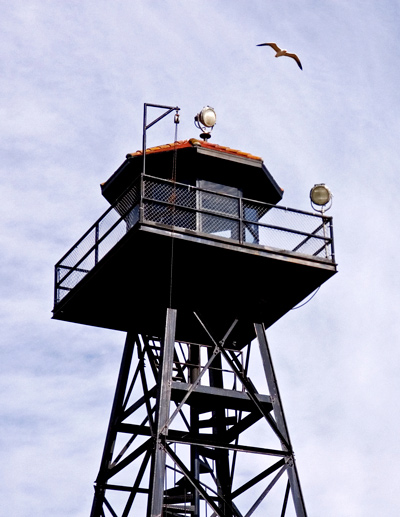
pixel 154 267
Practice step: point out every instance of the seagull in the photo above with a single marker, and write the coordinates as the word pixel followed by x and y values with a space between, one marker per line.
pixel 281 52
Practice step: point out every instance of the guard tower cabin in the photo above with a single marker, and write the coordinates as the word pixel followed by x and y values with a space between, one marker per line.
pixel 199 229
pixel 194 259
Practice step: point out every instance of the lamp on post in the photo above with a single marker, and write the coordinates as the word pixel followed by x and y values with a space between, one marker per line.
pixel 321 201
pixel 205 121
pixel 321 197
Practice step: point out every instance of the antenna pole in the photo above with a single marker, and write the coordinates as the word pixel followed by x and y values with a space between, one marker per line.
pixel 147 126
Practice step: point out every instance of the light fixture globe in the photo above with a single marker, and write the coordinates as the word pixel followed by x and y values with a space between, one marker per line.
pixel 208 117
pixel 205 121
pixel 321 196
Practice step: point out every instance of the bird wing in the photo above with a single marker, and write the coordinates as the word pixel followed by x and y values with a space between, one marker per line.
pixel 273 45
pixel 295 58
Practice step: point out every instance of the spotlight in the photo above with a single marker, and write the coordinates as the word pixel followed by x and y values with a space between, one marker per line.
pixel 321 196
pixel 205 121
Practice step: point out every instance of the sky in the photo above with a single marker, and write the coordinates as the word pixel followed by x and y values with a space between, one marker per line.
pixel 74 79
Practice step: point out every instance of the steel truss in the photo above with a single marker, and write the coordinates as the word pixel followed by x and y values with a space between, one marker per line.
pixel 191 434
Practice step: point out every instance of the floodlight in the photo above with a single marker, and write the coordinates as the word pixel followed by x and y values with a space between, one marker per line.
pixel 207 117
pixel 321 196
pixel 205 121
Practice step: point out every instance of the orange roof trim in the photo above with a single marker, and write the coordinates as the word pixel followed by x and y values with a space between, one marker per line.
pixel 193 142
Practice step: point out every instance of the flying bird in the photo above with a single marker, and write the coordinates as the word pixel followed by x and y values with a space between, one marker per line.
pixel 281 52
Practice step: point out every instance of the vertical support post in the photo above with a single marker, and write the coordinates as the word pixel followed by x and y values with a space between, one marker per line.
pixel 293 476
pixel 324 231
pixel 116 410
pixel 163 403
pixel 144 140
pixel 141 198
pixel 194 372
pixel 331 240
pixel 147 126
pixel 219 429
pixel 242 237
pixel 96 243
pixel 56 282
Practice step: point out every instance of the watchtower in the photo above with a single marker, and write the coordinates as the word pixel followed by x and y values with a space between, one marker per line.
pixel 194 259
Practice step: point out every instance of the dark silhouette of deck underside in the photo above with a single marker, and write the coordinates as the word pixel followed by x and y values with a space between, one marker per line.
pixel 155 266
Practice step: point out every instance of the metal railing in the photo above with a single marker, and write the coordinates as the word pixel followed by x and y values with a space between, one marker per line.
pixel 224 216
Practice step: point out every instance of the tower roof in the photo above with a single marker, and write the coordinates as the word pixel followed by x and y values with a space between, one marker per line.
pixel 193 142
pixel 193 159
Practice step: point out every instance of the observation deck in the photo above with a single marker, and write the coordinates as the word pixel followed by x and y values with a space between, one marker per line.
pixel 198 245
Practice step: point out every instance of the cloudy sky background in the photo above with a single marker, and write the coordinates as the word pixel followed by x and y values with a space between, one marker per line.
pixel 74 78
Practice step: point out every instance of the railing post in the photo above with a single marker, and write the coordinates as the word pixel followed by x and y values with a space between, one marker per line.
pixel 325 236
pixel 141 196
pixel 56 282
pixel 331 238
pixel 96 244
pixel 241 225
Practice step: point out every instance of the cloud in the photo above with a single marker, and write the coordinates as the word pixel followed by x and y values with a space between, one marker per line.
pixel 74 80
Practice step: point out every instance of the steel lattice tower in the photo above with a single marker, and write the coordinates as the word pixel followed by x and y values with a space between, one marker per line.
pixel 194 260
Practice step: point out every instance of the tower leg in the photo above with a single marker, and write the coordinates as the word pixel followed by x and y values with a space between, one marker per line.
pixel 162 416
pixel 99 487
pixel 280 420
